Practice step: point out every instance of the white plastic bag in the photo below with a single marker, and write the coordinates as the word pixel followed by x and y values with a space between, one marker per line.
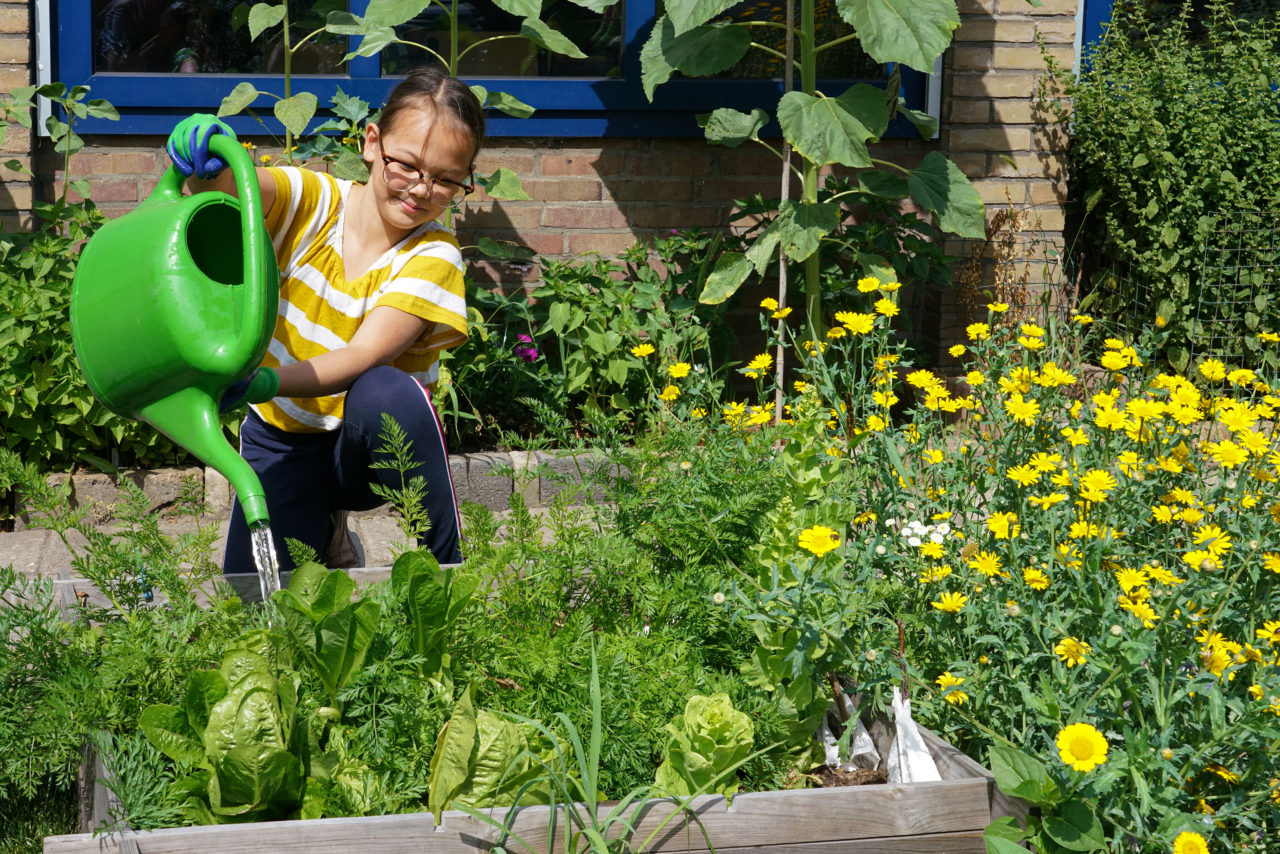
pixel 909 759
pixel 862 748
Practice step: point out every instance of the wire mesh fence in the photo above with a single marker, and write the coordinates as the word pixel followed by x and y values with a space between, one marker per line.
pixel 1235 291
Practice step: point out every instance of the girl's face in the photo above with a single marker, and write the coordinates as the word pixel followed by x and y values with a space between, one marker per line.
pixel 403 162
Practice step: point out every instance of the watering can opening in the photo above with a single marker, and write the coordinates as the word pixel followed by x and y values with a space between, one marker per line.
pixel 215 242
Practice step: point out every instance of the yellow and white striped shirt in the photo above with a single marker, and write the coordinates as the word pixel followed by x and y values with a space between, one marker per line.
pixel 320 310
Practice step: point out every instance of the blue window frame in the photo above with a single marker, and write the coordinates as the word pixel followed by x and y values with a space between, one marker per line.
pixel 566 107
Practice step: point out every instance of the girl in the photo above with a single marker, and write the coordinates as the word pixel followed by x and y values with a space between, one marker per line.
pixel 371 290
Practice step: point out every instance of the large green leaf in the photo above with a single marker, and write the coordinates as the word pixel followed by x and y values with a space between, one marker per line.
pixel 732 128
pixel 655 69
pixel 99 108
pixel 455 755
pixel 913 32
pixel 242 96
pixel 252 775
pixel 295 112
pixel 874 265
pixel 509 104
pixel 687 14
pixel 344 638
pixel 1018 774
pixel 553 40
pixel 503 184
pixel 392 13
pixel 373 42
pixel 520 8
pixel 344 24
pixel 595 5
pixel 305 581
pixel 704 50
pixel 1075 827
pixel 428 609
pixel 262 16
pixel 204 690
pixel 823 130
pixel 351 167
pixel 731 270
pixel 169 730
pixel 886 185
pixel 939 186
pixel 797 228
pixel 925 123
pixel 334 592
pixel 1000 845
pixel 866 104
pixel 499 744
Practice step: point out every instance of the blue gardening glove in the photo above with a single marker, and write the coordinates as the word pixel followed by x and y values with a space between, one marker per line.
pixel 188 146
pixel 259 387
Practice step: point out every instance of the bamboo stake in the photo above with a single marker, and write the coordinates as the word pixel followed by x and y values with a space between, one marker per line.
pixel 786 193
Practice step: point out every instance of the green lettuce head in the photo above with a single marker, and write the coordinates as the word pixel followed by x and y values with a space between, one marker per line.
pixel 704 743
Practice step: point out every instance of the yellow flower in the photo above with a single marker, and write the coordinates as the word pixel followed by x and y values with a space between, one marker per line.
pixel 886 307
pixel 1270 632
pixel 1269 337
pixel 1161 575
pixel 937 573
pixel 1082 747
pixel 1241 376
pixel 998 307
pixel 698 412
pixel 1097 481
pixel 836 332
pixel 951 603
pixel 948 684
pixel 264 158
pixel 978 331
pixel 1082 319
pixel 781 313
pixel 1271 561
pixel 1075 436
pixel 1072 651
pixel 642 350
pixel 875 423
pixel 931 550
pixel 1004 525
pixel 769 304
pixel 760 363
pixel 957 351
pixel 1212 369
pixel 1051 375
pixel 819 540
pixel 1047 501
pixel 1031 343
pixel 1030 329
pixel 1189 842
pixel 1035 578
pixel 1226 453
pixel 986 563
pixel 679 370
pixel 890 287
pixel 1223 772
pixel 1142 611
pixel 1022 411
pixel 1023 475
pixel 1113 361
pixel 857 324
pixel 669 393
pixel 869 284
pixel 1214 540
pixel 933 456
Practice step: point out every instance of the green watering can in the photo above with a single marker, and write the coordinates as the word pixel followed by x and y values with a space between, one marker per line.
pixel 172 304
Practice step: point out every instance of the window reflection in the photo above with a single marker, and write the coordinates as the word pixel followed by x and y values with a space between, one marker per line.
pixel 209 37
pixel 598 35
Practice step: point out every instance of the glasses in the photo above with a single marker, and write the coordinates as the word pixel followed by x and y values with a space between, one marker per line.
pixel 402 177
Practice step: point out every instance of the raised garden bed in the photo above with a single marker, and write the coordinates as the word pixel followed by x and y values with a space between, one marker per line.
pixel 946 816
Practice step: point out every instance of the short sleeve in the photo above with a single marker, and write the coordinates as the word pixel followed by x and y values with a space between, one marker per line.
pixel 305 203
pixel 427 281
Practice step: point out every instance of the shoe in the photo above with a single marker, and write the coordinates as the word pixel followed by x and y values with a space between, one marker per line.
pixel 345 550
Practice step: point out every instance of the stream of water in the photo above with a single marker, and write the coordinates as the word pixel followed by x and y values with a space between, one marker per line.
pixel 264 555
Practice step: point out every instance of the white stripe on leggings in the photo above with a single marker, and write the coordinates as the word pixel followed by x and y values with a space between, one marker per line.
pixel 448 469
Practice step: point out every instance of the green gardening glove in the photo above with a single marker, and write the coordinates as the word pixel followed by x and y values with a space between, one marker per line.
pixel 259 387
pixel 188 146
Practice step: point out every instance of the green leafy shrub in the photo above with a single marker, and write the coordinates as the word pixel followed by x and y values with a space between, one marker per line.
pixel 1169 137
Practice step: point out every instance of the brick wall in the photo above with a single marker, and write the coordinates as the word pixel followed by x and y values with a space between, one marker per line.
pixel 602 194
pixel 15 70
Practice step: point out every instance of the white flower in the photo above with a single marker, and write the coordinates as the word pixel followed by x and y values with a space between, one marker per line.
pixel 1014 610
pixel 880 550
pixel 872 655
pixel 914 541
pixel 686 465
pixel 717 597
pixel 1116 631
pixel 936 538
pixel 889 523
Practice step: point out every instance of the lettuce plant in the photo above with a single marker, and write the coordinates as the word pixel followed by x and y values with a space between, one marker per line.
pixel 433 601
pixel 707 744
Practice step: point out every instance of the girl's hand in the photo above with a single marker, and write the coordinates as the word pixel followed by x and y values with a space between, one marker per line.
pixel 188 146
pixel 383 336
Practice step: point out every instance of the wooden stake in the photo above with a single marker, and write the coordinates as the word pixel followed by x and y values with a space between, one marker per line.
pixel 787 75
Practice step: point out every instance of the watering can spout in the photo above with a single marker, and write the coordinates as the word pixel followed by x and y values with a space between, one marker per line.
pixel 190 417
pixel 172 304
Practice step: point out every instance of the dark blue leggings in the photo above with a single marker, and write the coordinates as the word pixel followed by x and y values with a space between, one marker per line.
pixel 307 476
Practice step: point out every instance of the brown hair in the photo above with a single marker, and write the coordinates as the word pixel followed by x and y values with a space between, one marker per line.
pixel 428 84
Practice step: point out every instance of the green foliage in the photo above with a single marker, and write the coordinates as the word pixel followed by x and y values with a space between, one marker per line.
pixel 708 740
pixel 26 821
pixel 395 454
pixel 434 599
pixel 1170 134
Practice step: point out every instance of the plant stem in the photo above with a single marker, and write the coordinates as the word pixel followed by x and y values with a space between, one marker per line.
pixel 788 78
pixel 490 39
pixel 453 40
pixel 808 84
pixel 288 84
pixel 835 42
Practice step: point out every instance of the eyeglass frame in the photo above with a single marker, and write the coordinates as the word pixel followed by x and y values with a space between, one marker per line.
pixel 424 178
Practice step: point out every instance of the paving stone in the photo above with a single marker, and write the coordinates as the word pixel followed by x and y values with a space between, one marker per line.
pixel 376 534
pixel 163 486
pixel 23 550
pixel 217 493
pixel 482 487
pixel 564 472
pixel 524 463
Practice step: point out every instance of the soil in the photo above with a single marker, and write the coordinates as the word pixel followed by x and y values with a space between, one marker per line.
pixel 830 777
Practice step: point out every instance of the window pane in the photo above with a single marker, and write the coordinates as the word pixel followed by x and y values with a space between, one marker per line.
pixel 598 35
pixel 842 62
pixel 209 37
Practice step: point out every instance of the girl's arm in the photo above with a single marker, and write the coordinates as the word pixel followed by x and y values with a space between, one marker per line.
pixel 226 183
pixel 384 334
